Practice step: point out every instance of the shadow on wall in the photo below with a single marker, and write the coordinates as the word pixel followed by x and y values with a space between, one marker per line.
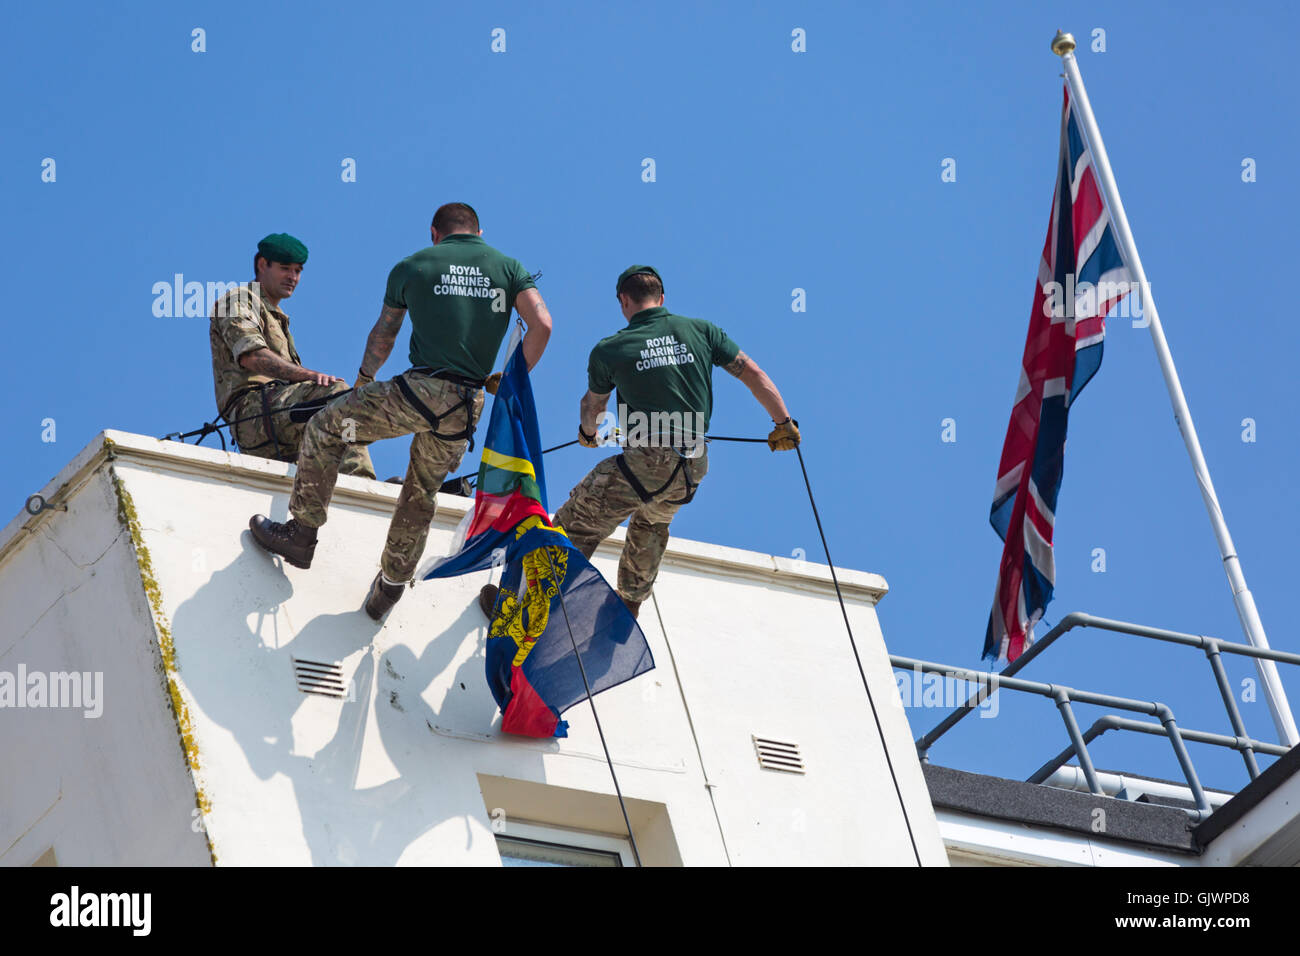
pixel 236 654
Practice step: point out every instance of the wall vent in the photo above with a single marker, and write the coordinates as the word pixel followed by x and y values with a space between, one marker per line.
pixel 778 755
pixel 317 677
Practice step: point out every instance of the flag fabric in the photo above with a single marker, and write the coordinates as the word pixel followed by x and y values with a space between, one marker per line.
pixel 1081 276
pixel 551 599
pixel 511 484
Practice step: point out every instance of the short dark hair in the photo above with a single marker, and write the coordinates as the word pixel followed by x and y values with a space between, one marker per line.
pixel 256 256
pixel 455 217
pixel 641 286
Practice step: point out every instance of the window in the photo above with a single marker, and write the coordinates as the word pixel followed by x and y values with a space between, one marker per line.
pixel 566 818
pixel 531 844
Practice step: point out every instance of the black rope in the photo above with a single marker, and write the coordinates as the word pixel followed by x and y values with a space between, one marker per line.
pixel 214 428
pixel 209 428
pixel 854 644
pixel 547 451
pixel 586 686
pixel 857 657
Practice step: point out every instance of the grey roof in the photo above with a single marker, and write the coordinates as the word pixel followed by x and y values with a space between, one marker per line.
pixel 1143 824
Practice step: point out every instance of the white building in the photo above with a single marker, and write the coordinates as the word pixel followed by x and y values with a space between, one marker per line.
pixel 164 707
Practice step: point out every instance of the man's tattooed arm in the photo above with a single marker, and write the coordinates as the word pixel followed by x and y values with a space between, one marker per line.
pixel 756 380
pixel 265 362
pixel 737 365
pixel 379 344
pixel 590 409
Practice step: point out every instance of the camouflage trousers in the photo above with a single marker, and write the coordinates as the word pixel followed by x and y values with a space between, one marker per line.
pixel 284 443
pixel 380 410
pixel 603 499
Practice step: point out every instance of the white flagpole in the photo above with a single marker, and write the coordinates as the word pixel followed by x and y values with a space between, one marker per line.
pixel 1063 46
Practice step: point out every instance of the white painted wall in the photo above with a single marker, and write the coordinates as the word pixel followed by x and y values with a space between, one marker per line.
pixel 396 774
pixel 105 790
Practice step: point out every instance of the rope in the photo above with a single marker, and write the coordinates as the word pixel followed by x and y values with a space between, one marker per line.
pixel 210 428
pixel 857 657
pixel 547 451
pixel 681 690
pixel 586 686
pixel 215 428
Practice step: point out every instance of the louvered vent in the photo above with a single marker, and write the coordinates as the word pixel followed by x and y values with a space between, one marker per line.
pixel 778 755
pixel 317 677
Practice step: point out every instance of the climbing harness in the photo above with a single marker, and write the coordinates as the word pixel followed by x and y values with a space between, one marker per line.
pixel 298 412
pixel 466 388
pixel 649 496
pixel 301 412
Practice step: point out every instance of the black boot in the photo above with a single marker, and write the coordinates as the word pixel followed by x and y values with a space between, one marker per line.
pixel 382 596
pixel 294 542
pixel 487 600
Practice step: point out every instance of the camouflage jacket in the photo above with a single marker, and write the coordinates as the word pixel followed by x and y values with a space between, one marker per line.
pixel 242 322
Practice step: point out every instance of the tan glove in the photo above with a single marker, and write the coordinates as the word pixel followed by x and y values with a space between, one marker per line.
pixel 785 436
pixel 492 383
pixel 362 379
pixel 586 442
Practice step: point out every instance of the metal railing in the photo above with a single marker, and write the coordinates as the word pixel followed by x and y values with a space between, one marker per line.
pixel 1110 722
pixel 1064 696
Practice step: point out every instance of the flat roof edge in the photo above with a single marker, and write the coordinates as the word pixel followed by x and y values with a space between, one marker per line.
pixel 1015 801
pixel 274 475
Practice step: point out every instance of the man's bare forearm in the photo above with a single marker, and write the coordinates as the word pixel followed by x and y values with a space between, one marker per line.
pixel 537 317
pixel 535 340
pixel 590 409
pixel 382 338
pixel 762 387
pixel 265 362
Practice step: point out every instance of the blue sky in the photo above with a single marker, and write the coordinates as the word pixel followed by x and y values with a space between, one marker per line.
pixel 775 170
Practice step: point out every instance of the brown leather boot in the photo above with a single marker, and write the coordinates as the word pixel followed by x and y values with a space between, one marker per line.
pixel 487 600
pixel 294 542
pixel 382 596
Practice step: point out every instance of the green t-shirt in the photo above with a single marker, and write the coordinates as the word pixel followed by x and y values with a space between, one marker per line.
pixel 459 293
pixel 662 363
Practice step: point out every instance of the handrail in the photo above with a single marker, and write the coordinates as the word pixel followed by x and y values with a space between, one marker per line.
pixel 1213 648
pixel 1064 696
pixel 1111 722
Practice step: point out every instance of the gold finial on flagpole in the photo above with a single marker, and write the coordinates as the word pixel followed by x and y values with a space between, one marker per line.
pixel 1062 43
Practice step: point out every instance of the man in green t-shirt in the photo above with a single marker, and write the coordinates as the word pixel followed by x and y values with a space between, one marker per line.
pixel 460 293
pixel 662 366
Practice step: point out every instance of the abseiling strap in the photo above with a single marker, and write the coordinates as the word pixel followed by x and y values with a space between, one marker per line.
pixel 648 496
pixel 466 434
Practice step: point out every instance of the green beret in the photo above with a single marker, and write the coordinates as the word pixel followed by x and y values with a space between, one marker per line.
pixel 282 247
pixel 636 271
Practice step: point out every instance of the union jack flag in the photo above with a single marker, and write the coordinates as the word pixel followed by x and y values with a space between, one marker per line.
pixel 1081 276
